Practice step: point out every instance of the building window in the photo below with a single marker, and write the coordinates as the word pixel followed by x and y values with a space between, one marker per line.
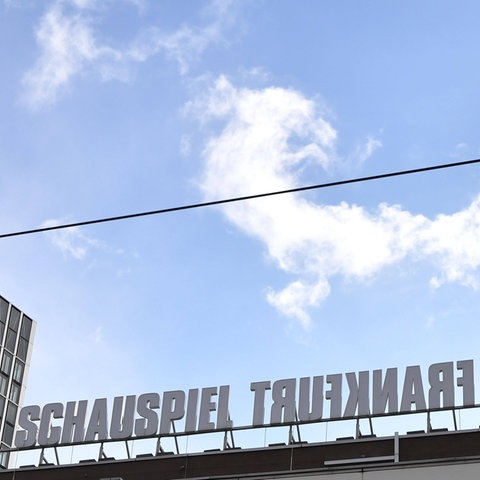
pixel 15 392
pixel 6 365
pixel 3 317
pixel 3 310
pixel 22 349
pixel 18 371
pixel 14 319
pixel 10 340
pixel 8 434
pixel 11 416
pixel 26 328
pixel 3 384
pixel 4 456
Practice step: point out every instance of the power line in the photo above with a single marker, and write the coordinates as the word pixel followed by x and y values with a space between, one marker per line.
pixel 240 199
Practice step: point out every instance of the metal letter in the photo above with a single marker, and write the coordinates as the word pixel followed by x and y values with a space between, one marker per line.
pixel 192 404
pixel 74 423
pixel 206 407
pixel 259 401
pixel 466 381
pixel 223 416
pixel 28 436
pixel 358 395
pixel 413 390
pixel 121 425
pixel 48 435
pixel 440 377
pixel 304 412
pixel 283 396
pixel 98 424
pixel 148 424
pixel 173 409
pixel 335 395
pixel 388 392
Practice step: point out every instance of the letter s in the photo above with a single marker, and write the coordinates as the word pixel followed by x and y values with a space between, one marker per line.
pixel 28 436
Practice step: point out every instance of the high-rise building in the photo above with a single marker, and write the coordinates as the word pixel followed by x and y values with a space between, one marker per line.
pixel 17 331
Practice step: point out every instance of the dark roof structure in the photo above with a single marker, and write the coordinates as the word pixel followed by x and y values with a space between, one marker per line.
pixel 393 456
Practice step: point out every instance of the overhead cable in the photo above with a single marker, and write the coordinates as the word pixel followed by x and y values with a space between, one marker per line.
pixel 240 199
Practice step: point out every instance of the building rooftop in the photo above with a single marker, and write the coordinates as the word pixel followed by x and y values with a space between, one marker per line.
pixel 367 454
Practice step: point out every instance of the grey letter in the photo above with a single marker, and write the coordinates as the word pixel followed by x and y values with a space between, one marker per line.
pixel 173 409
pixel 413 390
pixel 191 417
pixel 441 385
pixel 121 425
pixel 74 423
pixel 207 406
pixel 304 413
pixel 386 393
pixel 335 395
pixel 466 381
pixel 283 396
pixel 223 416
pixel 48 435
pixel 358 394
pixel 148 424
pixel 28 436
pixel 259 401
pixel 98 424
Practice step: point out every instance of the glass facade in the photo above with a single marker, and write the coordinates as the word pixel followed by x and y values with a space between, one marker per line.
pixel 16 339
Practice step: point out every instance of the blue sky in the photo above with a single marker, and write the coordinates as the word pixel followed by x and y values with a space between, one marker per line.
pixel 115 107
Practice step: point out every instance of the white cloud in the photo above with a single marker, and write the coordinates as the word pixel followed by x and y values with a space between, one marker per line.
pixel 186 44
pixel 454 241
pixel 70 45
pixel 70 241
pixel 293 299
pixel 268 138
pixel 366 150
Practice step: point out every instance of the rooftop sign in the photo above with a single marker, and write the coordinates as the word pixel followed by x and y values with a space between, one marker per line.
pixel 283 402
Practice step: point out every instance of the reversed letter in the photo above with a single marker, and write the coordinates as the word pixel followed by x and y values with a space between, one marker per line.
pixel 466 381
pixel 259 388
pixel 335 395
pixel 358 394
pixel 413 390
pixel 388 392
pixel 283 396
pixel 440 376
pixel 306 414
